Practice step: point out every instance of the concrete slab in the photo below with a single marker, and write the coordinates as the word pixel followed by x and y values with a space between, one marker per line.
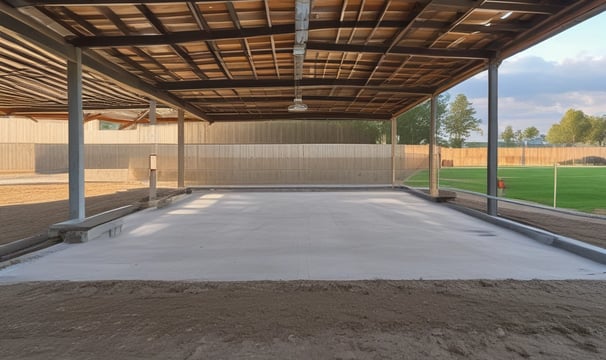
pixel 342 235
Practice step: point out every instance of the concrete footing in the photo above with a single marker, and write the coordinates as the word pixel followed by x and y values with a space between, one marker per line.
pixel 78 231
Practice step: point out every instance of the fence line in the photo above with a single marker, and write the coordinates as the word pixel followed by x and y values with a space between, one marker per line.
pixel 530 156
pixel 242 164
pixel 19 130
pixel 273 163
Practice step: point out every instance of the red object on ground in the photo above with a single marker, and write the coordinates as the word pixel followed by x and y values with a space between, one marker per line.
pixel 501 184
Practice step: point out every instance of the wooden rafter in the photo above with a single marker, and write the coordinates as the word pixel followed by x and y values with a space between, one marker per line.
pixel 232 60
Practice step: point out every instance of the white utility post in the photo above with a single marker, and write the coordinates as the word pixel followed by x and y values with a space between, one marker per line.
pixel 555 185
pixel 153 157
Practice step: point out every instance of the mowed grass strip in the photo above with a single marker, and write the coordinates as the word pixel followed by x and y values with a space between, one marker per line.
pixel 580 188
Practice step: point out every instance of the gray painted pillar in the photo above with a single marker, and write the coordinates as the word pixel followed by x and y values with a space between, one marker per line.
pixel 433 160
pixel 153 176
pixel 493 136
pixel 181 148
pixel 394 141
pixel 75 137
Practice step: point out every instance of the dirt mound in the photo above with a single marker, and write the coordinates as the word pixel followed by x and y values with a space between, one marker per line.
pixel 304 320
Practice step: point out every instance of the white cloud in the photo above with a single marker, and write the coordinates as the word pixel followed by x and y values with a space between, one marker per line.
pixel 536 92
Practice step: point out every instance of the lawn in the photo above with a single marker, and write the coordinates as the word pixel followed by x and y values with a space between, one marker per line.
pixel 580 188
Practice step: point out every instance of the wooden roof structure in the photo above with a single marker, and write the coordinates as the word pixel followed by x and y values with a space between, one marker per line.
pixel 247 60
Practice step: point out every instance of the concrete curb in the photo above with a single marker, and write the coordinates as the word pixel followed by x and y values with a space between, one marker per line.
pixel 172 200
pixel 293 188
pixel 71 231
pixel 17 246
pixel 164 201
pixel 577 247
pixel 443 196
pixel 77 231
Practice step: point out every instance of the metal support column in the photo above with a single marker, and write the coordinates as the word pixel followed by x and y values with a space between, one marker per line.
pixel 153 163
pixel 394 141
pixel 433 160
pixel 181 148
pixel 75 137
pixel 493 137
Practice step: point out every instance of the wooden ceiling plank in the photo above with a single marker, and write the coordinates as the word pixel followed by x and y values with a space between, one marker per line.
pixel 212 47
pixel 341 19
pixel 116 20
pixel 529 7
pixel 157 24
pixel 51 43
pixel 112 52
pixel 181 37
pixel 243 42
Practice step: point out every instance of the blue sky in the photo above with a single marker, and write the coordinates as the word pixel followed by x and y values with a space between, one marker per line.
pixel 538 85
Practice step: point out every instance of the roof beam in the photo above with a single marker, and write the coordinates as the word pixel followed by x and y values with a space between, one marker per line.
pixel 259 99
pixel 184 55
pixel 23 3
pixel 25 27
pixel 214 51
pixel 287 83
pixel 116 20
pixel 309 115
pixel 243 33
pixel 233 15
pixel 193 36
pixel 399 50
pixel 532 8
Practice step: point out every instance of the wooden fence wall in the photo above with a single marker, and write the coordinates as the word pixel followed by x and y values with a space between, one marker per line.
pixel 20 130
pixel 530 156
pixel 249 164
pixel 16 158
pixel 235 153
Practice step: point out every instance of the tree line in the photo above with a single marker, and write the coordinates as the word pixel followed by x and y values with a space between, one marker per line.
pixel 456 120
pixel 577 127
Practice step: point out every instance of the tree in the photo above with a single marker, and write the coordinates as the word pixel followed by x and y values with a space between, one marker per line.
pixel 508 136
pixel 530 133
pixel 573 128
pixel 413 125
pixel 519 136
pixel 460 121
pixel 370 132
pixel 597 134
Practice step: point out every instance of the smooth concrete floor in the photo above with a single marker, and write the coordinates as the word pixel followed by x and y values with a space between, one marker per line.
pixel 339 235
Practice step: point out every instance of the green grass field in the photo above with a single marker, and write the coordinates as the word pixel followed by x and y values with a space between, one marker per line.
pixel 580 188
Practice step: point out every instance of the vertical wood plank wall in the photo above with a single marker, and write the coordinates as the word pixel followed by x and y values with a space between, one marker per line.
pixel 226 154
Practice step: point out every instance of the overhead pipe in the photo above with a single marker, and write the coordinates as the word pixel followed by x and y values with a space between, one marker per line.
pixel 302 10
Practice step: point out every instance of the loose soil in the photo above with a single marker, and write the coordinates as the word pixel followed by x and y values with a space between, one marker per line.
pixel 581 227
pixel 292 320
pixel 29 209
pixel 304 320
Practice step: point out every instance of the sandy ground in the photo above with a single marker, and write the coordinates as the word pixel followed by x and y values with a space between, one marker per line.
pixel 290 320
pixel 304 320
pixel 29 209
pixel 588 229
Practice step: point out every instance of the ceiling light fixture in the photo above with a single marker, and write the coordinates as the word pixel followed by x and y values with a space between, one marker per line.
pixel 506 15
